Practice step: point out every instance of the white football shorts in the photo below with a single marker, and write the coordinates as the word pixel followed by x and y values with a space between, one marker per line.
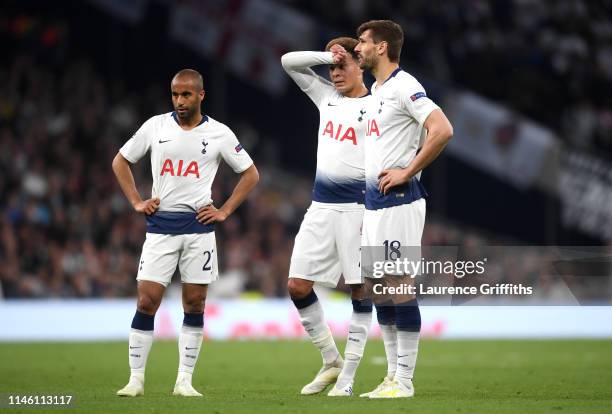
pixel 195 255
pixel 327 246
pixel 389 230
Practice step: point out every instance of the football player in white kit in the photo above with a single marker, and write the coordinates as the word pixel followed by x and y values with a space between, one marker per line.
pixel 406 131
pixel 328 242
pixel 185 148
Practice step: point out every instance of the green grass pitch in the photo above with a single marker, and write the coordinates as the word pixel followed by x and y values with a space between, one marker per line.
pixel 265 377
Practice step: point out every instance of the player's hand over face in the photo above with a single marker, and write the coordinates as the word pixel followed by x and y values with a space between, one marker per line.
pixel 147 207
pixel 210 214
pixel 388 179
pixel 338 53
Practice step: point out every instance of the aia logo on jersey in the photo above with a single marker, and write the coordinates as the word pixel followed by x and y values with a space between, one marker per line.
pixel 340 134
pixel 372 128
pixel 177 169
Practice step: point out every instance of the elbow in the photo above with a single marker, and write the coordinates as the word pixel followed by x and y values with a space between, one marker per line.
pixel 445 131
pixel 255 175
pixel 442 134
pixel 118 162
pixel 115 163
pixel 449 132
pixel 250 177
pixel 285 61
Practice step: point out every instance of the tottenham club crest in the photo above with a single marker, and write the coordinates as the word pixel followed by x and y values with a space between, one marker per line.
pixel 362 112
pixel 204 144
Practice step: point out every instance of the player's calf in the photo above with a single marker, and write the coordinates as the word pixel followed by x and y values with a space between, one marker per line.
pixel 141 336
pixel 355 345
pixel 408 324
pixel 139 346
pixel 190 338
pixel 313 321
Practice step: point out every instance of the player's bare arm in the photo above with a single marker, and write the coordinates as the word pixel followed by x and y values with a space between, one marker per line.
pixel 121 168
pixel 439 133
pixel 210 214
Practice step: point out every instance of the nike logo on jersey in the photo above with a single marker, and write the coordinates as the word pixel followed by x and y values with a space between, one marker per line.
pixel 134 347
pixel 189 349
pixel 161 142
pixel 330 104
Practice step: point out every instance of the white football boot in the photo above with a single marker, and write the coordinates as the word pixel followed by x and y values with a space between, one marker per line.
pixel 347 391
pixel 183 386
pixel 325 376
pixel 394 389
pixel 379 387
pixel 134 387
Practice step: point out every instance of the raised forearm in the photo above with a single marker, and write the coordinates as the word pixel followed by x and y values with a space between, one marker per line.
pixel 297 65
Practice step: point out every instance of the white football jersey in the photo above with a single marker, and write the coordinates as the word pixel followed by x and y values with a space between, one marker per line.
pixel 396 113
pixel 184 163
pixel 340 176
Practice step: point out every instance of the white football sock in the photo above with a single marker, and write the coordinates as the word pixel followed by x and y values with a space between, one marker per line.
pixel 355 345
pixel 389 335
pixel 407 348
pixel 139 346
pixel 314 323
pixel 189 343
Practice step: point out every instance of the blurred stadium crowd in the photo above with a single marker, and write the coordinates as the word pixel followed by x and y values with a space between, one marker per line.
pixel 67 231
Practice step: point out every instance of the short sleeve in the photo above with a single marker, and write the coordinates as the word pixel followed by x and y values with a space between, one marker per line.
pixel 140 143
pixel 415 100
pixel 233 153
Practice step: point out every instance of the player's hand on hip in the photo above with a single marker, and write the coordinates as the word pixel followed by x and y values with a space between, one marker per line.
pixel 210 214
pixel 388 179
pixel 147 207
pixel 338 53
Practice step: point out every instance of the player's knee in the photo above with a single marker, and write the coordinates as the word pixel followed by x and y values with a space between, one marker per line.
pixel 358 292
pixel 147 304
pixel 194 303
pixel 298 288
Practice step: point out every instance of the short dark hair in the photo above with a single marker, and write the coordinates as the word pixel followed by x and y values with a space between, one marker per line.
pixel 348 43
pixel 192 74
pixel 388 31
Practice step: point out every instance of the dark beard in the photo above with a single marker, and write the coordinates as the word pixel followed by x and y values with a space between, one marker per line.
pixel 188 115
pixel 366 65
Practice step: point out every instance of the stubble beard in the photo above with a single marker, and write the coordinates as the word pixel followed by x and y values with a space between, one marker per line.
pixel 188 115
pixel 367 64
